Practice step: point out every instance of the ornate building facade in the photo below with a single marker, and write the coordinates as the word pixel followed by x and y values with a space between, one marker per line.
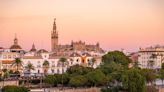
pixel 76 53
pixel 74 46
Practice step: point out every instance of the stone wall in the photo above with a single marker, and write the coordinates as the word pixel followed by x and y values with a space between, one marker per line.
pixel 4 83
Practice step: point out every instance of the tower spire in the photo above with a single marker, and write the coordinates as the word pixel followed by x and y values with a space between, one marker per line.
pixel 54 37
pixel 54 25
pixel 15 40
pixel 33 46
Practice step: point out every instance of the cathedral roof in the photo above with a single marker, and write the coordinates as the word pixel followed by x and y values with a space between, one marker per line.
pixel 7 61
pixel 15 46
pixel 33 50
pixel 86 54
pixel 32 57
pixel 74 54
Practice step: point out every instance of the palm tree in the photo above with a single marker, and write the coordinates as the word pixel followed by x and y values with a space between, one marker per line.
pixel 17 63
pixel 45 66
pixel 62 60
pixel 30 67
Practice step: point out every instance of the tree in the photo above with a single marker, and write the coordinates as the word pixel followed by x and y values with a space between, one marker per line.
pixel 62 60
pixel 92 62
pixel 149 74
pixel 78 70
pixel 117 57
pixel 17 63
pixel 161 75
pixel 162 66
pixel 78 81
pixel 109 80
pixel 5 73
pixel 136 64
pixel 50 79
pixel 96 78
pixel 45 66
pixel 30 67
pixel 14 89
pixel 109 68
pixel 134 81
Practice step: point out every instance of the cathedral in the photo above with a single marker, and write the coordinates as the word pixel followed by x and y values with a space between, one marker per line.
pixel 79 46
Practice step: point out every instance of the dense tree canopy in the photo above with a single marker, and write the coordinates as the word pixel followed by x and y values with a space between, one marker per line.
pixel 14 89
pixel 78 81
pixel 79 70
pixel 117 57
pixel 149 74
pixel 96 77
pixel 134 81
pixel 50 79
pixel 114 74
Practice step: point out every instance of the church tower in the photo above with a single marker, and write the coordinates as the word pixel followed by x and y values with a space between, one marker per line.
pixel 54 37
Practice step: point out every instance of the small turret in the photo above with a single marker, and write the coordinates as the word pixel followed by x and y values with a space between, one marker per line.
pixel 33 49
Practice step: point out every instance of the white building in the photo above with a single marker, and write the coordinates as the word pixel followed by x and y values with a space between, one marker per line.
pixel 151 57
pixel 8 55
pixel 55 66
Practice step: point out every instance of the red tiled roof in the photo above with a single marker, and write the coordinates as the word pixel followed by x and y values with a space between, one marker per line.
pixel 7 61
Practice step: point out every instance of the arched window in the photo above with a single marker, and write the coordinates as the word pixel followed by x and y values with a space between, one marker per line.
pixel 38 71
pixel 58 71
pixel 77 60
pixel 52 70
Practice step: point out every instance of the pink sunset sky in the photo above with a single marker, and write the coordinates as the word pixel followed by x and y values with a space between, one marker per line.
pixel 116 24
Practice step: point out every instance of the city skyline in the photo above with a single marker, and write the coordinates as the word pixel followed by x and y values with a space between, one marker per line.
pixel 132 25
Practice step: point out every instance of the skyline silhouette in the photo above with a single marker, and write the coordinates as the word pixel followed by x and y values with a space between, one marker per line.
pixel 115 24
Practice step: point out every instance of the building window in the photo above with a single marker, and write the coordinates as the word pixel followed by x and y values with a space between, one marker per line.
pixel 62 70
pixel 38 71
pixel 77 60
pixel 38 66
pixel 29 62
pixel 4 57
pixel 9 56
pixel 52 70
pixel 58 71
pixel 14 56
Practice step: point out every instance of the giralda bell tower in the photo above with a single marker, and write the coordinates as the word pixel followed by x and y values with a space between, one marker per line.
pixel 54 37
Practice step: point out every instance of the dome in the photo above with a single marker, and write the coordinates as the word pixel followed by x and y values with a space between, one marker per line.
pixel 42 51
pixel 33 50
pixel 15 47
